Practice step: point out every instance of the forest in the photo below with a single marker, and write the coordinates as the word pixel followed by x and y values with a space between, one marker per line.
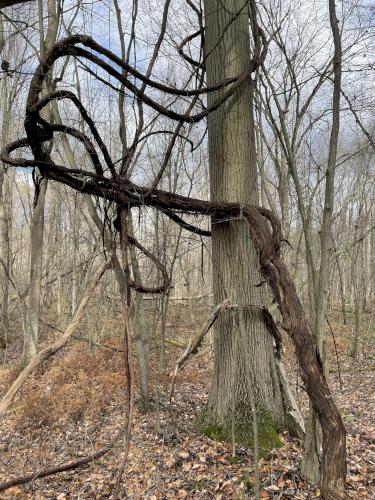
pixel 187 249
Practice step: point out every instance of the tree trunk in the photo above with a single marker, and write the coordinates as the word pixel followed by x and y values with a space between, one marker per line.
pixel 244 361
pixel 355 285
pixel 341 284
pixel 30 346
pixel 310 465
pixel 138 315
pixel 5 200
pixel 5 252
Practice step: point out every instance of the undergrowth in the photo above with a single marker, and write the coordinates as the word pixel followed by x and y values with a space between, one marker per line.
pixel 75 387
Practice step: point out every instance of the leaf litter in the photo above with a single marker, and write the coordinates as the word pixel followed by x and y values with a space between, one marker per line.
pixel 75 405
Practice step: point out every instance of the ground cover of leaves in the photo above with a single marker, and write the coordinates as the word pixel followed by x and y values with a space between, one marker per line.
pixel 74 405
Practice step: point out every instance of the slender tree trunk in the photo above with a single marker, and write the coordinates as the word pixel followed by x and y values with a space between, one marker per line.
pixel 138 314
pixel 357 299
pixel 58 237
pixel 341 285
pixel 137 306
pixel 310 465
pixel 4 217
pixel 244 361
pixel 76 227
pixel 5 256
pixel 30 346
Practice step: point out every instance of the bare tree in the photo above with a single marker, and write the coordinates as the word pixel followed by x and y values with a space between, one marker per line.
pixel 244 358
pixel 263 226
pixel 37 223
pixel 312 444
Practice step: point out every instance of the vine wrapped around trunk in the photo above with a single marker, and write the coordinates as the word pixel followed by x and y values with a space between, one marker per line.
pixel 264 228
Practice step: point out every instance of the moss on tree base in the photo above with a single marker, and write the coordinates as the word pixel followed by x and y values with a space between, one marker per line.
pixel 242 430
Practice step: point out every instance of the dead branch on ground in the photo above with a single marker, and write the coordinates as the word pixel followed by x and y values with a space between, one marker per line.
pixel 62 468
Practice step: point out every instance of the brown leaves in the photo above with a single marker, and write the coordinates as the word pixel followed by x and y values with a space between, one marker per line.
pixel 159 466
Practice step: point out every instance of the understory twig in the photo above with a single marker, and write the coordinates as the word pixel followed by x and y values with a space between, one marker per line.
pixel 337 356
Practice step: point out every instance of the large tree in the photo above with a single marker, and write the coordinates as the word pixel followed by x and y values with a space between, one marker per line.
pixel 244 364
pixel 108 183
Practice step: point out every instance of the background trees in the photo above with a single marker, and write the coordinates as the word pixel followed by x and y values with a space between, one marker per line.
pixel 292 120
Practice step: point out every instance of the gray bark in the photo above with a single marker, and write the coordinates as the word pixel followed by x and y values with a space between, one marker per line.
pixel 138 314
pixel 30 346
pixel 4 219
pixel 310 465
pixel 244 363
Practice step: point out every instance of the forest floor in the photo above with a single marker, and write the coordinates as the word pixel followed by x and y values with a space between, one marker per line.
pixel 75 404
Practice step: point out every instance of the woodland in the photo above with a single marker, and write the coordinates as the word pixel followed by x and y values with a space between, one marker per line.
pixel 187 251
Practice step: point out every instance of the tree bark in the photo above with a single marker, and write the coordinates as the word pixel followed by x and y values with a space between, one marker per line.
pixel 243 357
pixel 30 346
pixel 310 465
pixel 4 212
pixel 138 315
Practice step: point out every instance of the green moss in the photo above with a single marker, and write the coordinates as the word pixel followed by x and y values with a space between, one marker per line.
pixel 268 436
pixel 215 432
pixel 234 459
pixel 196 484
